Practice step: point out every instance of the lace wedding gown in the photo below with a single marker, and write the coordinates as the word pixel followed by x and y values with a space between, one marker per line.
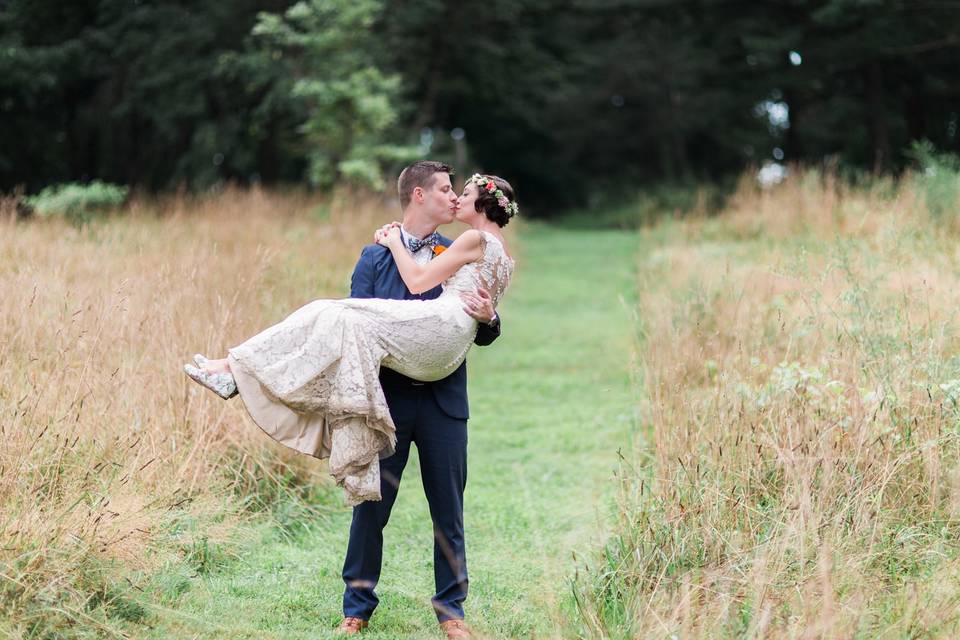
pixel 311 381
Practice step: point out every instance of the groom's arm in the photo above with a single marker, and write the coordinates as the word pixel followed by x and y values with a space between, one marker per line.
pixel 488 332
pixel 479 306
pixel 364 274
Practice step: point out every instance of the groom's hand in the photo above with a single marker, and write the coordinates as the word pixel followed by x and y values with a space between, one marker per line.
pixel 478 306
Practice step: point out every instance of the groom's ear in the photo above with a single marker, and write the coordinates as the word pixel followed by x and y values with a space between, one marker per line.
pixel 418 194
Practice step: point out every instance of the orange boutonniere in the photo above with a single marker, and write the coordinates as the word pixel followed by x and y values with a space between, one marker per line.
pixel 438 249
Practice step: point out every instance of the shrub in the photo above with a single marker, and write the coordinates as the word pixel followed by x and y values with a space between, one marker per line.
pixel 78 203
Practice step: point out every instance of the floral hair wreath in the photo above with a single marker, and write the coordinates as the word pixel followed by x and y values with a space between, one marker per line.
pixel 491 187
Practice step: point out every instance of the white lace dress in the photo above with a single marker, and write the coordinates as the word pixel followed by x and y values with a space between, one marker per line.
pixel 311 381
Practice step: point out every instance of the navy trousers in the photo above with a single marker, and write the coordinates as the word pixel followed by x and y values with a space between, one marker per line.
pixel 442 447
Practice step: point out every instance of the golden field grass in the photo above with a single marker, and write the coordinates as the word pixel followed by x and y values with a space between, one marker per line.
pixel 796 473
pixel 110 457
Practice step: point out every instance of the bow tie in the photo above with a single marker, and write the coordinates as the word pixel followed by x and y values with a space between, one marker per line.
pixel 415 244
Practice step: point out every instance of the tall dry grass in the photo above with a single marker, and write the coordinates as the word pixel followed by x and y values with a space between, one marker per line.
pixel 111 460
pixel 797 471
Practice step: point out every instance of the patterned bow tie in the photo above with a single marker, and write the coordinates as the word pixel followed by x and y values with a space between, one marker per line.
pixel 415 244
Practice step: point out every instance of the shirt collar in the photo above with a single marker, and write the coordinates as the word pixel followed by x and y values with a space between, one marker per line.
pixel 406 235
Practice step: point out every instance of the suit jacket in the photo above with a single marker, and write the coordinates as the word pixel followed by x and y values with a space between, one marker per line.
pixel 376 276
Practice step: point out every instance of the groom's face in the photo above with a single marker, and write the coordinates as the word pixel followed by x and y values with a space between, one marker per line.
pixel 440 200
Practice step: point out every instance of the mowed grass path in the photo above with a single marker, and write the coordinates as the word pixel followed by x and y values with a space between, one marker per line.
pixel 550 404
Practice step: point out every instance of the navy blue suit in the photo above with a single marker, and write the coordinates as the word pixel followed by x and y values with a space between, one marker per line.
pixel 433 415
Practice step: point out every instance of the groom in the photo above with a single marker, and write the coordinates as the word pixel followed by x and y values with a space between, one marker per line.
pixel 432 415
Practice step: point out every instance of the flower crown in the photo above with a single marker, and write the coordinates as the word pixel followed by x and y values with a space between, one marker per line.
pixel 491 187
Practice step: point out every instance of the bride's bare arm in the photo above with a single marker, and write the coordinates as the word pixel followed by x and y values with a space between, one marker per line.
pixel 420 278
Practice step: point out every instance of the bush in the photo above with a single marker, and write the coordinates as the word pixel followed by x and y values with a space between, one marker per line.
pixel 78 203
pixel 939 177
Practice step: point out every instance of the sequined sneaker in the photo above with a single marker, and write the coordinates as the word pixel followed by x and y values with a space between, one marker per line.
pixel 221 384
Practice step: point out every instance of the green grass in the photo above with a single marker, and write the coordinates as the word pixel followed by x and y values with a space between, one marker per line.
pixel 551 405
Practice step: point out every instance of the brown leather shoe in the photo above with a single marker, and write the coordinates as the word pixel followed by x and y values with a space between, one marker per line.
pixel 455 628
pixel 350 626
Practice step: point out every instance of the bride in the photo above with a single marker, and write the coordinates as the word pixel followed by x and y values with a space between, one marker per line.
pixel 311 381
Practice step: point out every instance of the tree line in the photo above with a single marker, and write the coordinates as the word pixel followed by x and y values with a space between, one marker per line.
pixel 566 99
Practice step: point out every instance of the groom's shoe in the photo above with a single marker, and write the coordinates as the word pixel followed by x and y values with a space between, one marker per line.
pixel 456 628
pixel 351 626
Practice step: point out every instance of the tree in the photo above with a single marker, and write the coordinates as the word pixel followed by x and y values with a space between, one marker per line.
pixel 351 104
pixel 128 92
pixel 566 99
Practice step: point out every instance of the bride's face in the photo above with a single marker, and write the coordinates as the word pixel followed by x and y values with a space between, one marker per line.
pixel 466 207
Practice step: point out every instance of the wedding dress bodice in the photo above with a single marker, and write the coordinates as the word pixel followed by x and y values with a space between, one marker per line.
pixel 491 272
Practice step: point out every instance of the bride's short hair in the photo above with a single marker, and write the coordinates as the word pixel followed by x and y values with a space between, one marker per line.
pixel 419 174
pixel 487 203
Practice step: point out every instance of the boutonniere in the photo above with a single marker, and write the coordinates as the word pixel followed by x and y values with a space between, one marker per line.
pixel 438 249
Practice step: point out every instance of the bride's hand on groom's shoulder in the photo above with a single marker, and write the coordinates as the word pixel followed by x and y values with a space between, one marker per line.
pixel 379 236
pixel 384 234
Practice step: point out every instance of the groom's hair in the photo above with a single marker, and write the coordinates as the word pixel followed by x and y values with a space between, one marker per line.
pixel 419 174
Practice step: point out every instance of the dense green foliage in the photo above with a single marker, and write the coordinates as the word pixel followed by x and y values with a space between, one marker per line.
pixel 349 102
pixel 566 99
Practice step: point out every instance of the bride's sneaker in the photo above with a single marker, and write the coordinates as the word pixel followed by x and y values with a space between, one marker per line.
pixel 221 384
pixel 201 360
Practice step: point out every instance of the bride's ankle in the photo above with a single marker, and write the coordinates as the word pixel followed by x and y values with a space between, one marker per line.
pixel 218 366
